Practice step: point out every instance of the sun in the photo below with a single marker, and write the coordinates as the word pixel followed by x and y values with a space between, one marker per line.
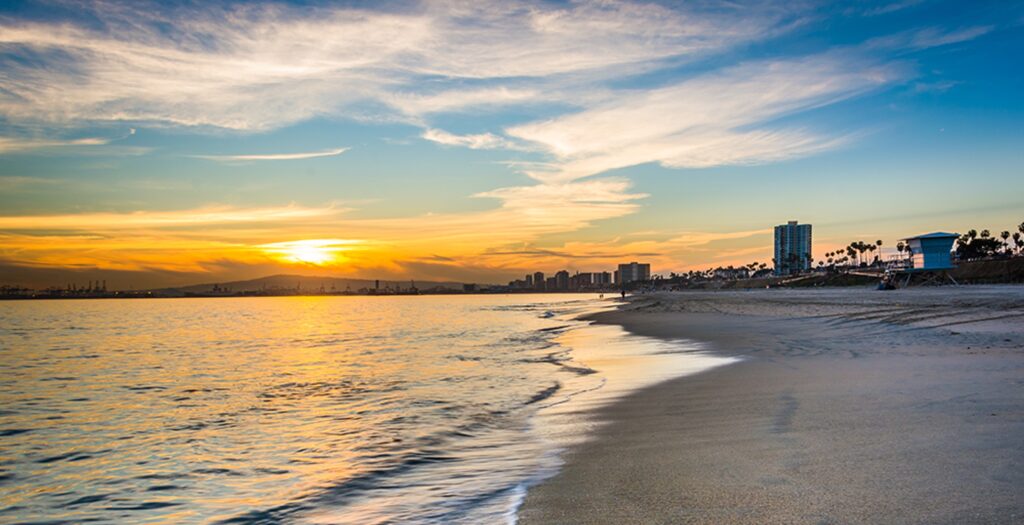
pixel 317 252
pixel 317 255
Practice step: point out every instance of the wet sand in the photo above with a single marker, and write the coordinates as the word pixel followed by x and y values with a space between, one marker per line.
pixel 850 406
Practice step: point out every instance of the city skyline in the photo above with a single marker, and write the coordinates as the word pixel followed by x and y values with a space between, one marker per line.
pixel 172 144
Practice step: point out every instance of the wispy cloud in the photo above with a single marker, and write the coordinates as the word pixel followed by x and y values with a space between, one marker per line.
pixel 928 37
pixel 194 239
pixel 19 144
pixel 13 182
pixel 274 156
pixel 711 120
pixel 934 37
pixel 260 67
pixel 185 240
pixel 205 217
pixel 889 7
pixel 679 250
pixel 472 141
pixel 203 68
pixel 935 87
pixel 599 192
pixel 414 106
pixel 596 86
pixel 15 143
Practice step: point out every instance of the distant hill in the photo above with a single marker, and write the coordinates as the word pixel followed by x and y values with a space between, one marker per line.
pixel 291 282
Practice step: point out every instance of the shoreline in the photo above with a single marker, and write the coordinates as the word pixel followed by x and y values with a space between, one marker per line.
pixel 150 295
pixel 849 406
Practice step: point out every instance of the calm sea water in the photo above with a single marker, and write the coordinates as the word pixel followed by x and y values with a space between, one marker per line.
pixel 310 410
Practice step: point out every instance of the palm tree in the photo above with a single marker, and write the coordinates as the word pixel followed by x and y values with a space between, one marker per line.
pixel 900 247
pixel 862 247
pixel 1005 235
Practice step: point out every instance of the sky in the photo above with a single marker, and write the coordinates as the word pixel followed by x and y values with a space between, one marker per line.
pixel 162 144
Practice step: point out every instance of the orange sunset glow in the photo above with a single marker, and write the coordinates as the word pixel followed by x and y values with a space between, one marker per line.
pixel 318 252
pixel 534 262
pixel 412 144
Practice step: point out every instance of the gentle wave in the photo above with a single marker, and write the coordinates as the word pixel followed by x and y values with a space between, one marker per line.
pixel 271 410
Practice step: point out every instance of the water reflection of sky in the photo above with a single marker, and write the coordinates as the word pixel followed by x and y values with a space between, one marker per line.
pixel 624 363
pixel 307 409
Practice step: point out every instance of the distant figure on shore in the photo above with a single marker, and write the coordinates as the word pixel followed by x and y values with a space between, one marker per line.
pixel 888 282
pixel 623 294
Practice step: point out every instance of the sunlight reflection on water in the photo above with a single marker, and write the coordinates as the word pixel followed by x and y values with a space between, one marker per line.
pixel 318 409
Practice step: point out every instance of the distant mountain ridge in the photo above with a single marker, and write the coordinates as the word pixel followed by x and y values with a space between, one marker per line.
pixel 307 283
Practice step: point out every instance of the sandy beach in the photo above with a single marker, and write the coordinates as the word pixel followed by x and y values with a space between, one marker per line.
pixel 849 406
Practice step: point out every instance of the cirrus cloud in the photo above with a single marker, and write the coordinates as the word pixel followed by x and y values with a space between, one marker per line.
pixel 274 156
pixel 259 67
pixel 590 87
pixel 711 120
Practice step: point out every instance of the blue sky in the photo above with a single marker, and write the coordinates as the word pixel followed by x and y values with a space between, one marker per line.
pixel 172 143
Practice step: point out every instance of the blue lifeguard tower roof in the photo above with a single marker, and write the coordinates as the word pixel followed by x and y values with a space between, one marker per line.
pixel 936 235
pixel 931 251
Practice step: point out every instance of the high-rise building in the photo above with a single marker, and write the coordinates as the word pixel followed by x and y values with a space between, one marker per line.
pixel 529 280
pixel 633 271
pixel 603 278
pixel 538 280
pixel 792 248
pixel 581 281
pixel 562 280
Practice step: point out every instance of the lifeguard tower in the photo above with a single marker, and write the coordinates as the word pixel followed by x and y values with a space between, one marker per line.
pixel 930 259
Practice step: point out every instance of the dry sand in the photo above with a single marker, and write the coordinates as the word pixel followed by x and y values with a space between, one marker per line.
pixel 851 406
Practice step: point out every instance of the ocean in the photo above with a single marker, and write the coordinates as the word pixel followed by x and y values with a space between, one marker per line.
pixel 413 409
